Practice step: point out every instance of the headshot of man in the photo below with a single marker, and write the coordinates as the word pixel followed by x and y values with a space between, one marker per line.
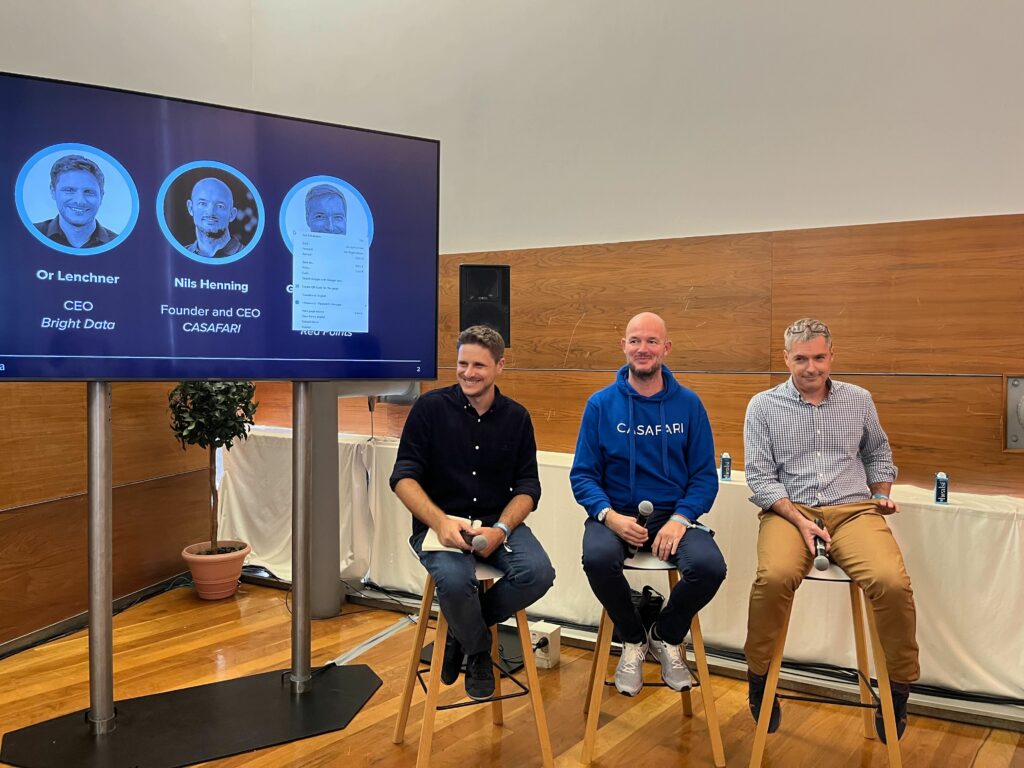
pixel 326 210
pixel 76 185
pixel 212 209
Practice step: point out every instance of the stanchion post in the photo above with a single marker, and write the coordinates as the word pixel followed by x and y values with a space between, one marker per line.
pixel 101 629
pixel 302 491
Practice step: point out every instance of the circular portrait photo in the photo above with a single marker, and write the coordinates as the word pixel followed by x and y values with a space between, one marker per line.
pixel 76 199
pixel 210 212
pixel 326 205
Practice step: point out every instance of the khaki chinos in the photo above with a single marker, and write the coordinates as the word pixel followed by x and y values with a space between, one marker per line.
pixel 863 546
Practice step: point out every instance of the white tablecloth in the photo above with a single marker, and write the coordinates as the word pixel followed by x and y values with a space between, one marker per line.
pixel 965 559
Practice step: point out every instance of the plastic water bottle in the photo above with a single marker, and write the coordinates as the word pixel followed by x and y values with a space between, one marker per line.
pixel 941 488
pixel 726 466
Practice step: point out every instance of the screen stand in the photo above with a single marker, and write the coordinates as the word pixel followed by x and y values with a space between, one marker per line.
pixel 302 493
pixel 101 593
pixel 206 722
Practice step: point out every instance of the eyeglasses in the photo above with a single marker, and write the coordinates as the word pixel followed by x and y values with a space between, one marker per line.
pixel 814 326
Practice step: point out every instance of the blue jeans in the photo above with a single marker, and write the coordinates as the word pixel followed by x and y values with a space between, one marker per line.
pixel 700 564
pixel 528 576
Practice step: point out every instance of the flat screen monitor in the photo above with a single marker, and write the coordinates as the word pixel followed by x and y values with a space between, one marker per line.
pixel 153 238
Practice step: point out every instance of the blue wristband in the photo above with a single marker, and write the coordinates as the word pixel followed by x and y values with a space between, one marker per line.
pixel 879 496
pixel 504 529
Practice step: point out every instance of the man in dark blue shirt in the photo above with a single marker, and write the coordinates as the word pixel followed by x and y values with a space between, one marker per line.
pixel 212 208
pixel 76 185
pixel 467 464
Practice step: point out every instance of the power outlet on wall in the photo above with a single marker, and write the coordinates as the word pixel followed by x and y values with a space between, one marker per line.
pixel 549 637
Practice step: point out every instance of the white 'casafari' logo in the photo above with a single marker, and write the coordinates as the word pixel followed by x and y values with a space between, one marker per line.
pixel 650 430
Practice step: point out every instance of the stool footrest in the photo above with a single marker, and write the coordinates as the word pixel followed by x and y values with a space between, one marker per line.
pixel 696 683
pixel 523 690
pixel 827 700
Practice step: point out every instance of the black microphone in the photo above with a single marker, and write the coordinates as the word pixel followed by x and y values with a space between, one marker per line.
pixel 820 560
pixel 645 508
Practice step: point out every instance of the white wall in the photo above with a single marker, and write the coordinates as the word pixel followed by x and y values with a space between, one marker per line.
pixel 583 121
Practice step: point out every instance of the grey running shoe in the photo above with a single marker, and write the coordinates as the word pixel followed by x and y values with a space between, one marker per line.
pixel 674 671
pixel 629 675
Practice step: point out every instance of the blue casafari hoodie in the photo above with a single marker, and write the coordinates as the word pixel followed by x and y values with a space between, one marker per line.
pixel 631 448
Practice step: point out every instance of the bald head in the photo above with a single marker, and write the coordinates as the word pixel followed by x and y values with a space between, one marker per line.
pixel 648 321
pixel 212 207
pixel 646 344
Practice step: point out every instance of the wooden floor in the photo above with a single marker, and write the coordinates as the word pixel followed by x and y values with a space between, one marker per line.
pixel 176 640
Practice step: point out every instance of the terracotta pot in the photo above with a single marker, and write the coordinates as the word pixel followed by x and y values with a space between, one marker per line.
pixel 215 576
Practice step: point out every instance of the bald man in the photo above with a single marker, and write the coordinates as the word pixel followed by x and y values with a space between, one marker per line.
pixel 212 208
pixel 647 438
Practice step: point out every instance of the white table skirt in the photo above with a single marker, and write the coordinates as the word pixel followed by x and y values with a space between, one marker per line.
pixel 965 559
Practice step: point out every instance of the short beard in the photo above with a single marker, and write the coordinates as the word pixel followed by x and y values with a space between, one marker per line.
pixel 644 375
pixel 213 234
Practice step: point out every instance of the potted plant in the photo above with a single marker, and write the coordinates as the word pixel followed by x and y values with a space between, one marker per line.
pixel 212 415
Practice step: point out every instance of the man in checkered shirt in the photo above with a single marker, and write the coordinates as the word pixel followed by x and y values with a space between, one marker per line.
pixel 814 449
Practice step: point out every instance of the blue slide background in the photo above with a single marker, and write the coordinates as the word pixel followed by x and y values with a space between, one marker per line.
pixel 151 137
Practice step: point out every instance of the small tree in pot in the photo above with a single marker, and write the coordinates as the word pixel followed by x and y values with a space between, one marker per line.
pixel 212 415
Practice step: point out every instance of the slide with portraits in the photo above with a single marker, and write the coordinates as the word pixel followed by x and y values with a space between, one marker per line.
pixel 152 238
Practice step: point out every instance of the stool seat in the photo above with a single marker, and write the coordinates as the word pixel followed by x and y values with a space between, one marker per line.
pixel 487 574
pixel 484 571
pixel 647 561
pixel 832 573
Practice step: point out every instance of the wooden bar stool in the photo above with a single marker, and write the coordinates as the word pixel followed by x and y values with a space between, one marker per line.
pixel 488 575
pixel 646 561
pixel 835 574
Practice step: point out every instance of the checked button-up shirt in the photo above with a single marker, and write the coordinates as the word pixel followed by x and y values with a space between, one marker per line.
pixel 818 455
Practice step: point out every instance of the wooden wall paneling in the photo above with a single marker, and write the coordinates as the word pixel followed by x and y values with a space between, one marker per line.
pixel 42 442
pixel 570 305
pixel 915 297
pixel 143 444
pixel 43 565
pixel 43 436
pixel 951 424
pixel 726 396
pixel 44 550
pixel 275 403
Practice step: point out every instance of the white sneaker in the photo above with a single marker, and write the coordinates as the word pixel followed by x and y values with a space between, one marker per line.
pixel 629 674
pixel 674 671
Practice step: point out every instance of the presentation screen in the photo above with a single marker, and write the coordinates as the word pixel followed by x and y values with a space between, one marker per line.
pixel 153 238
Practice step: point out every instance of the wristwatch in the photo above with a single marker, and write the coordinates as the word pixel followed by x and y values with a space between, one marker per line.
pixel 504 529
pixel 603 514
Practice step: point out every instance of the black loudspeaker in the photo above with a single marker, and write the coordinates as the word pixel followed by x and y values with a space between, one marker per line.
pixel 484 298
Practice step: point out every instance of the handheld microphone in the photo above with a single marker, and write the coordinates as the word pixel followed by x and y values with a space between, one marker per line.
pixel 478 542
pixel 645 508
pixel 820 560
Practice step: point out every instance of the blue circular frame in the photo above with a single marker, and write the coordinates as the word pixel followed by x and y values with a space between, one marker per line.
pixel 323 180
pixel 19 199
pixel 162 221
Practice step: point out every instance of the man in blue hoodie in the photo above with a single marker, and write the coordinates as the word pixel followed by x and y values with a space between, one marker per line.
pixel 648 438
